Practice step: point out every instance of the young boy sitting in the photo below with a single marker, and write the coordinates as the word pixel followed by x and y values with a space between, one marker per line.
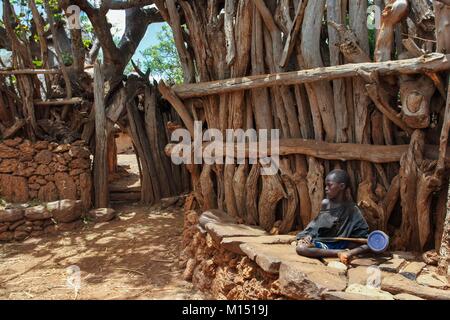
pixel 337 218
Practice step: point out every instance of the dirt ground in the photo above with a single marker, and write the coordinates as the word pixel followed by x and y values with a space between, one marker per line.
pixel 134 256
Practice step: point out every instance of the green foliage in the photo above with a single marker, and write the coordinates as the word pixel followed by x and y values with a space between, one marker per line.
pixel 87 43
pixel 38 63
pixel 67 58
pixel 372 41
pixel 162 58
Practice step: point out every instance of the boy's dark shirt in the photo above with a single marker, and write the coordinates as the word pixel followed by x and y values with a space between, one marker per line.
pixel 343 221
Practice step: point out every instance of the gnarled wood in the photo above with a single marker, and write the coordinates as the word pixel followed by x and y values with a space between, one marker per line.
pixel 251 195
pixel 288 220
pixel 431 63
pixel 239 181
pixel 209 196
pixel 272 191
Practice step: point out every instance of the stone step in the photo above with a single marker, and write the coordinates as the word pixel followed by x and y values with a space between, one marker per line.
pixel 308 281
pixel 220 230
pixel 233 243
pixel 396 283
pixel 270 256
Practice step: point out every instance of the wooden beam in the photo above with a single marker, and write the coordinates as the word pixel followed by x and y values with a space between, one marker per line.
pixel 332 151
pixel 56 102
pixel 443 141
pixel 29 71
pixel 100 159
pixel 434 62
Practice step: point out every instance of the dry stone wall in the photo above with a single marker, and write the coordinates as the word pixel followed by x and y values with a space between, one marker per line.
pixel 229 260
pixel 45 171
pixel 21 222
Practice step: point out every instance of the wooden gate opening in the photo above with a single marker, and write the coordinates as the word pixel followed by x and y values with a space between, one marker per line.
pixel 124 172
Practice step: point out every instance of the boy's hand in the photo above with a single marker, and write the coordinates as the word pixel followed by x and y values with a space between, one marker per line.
pixel 305 241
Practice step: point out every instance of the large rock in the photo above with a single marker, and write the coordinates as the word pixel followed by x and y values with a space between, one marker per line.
pixel 371 292
pixel 43 170
pixel 43 157
pixel 66 186
pixel 308 281
pixel 337 265
pixel 69 226
pixel 60 159
pixel 16 224
pixel 339 295
pixel 27 155
pixel 102 214
pixel 369 261
pixel 41 145
pixel 6 236
pixel 433 280
pixel 358 275
pixel 80 163
pixel 11 215
pixel 407 255
pixel 48 192
pixel 406 296
pixel 8 165
pixel 13 142
pixel 396 283
pixel 270 256
pixel 220 230
pixel 215 215
pixel 24 170
pixel 79 152
pixel 393 265
pixel 62 148
pixel 37 213
pixel 412 269
pixel 20 235
pixel 233 243
pixel 8 152
pixel 66 210
pixel 13 188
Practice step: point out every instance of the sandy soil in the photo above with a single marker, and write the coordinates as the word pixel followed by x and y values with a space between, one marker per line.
pixel 133 257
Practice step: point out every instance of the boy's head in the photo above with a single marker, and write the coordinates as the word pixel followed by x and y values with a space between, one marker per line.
pixel 335 184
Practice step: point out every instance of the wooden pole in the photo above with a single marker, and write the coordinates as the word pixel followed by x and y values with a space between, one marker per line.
pixel 434 62
pixel 56 102
pixel 100 160
pixel 329 151
pixel 29 71
pixel 444 251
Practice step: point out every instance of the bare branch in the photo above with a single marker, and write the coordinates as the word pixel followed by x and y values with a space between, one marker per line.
pixel 126 4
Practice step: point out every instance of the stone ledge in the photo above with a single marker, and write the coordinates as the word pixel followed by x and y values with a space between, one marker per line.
pixel 220 230
pixel 244 257
pixel 233 243
pixel 270 256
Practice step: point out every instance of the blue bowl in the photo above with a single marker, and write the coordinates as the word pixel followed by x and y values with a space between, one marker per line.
pixel 378 241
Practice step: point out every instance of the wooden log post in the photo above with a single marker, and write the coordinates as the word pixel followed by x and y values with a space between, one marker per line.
pixel 444 251
pixel 100 159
